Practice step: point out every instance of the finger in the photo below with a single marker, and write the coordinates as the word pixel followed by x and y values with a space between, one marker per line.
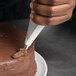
pixel 50 21
pixel 52 2
pixel 51 10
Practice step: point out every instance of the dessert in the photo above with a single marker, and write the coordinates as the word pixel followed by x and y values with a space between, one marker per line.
pixel 12 39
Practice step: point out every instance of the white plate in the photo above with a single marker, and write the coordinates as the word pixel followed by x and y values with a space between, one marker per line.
pixel 41 65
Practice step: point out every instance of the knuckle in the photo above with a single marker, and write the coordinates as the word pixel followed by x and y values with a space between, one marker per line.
pixel 51 11
pixel 54 2
pixel 49 21
pixel 35 6
pixel 37 20
pixel 68 16
pixel 72 3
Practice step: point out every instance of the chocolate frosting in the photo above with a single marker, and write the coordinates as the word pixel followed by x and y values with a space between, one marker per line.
pixel 12 39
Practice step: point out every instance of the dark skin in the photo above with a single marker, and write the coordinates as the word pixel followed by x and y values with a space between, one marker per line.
pixel 51 12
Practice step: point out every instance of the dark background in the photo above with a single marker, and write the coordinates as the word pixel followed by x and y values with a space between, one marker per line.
pixel 14 9
pixel 75 11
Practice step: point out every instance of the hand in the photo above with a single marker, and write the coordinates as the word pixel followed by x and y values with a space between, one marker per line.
pixel 51 12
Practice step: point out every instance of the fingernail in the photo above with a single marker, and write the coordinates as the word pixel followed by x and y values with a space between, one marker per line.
pixel 31 16
pixel 31 5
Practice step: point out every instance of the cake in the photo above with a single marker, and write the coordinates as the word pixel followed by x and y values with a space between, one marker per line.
pixel 12 39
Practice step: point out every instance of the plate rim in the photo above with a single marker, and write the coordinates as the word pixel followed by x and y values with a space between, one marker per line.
pixel 36 53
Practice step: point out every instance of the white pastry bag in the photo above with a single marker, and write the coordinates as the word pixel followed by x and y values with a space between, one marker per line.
pixel 32 33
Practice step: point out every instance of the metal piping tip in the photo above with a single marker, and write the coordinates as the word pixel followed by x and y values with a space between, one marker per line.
pixel 25 46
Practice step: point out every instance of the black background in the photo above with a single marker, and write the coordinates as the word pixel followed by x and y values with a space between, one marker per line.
pixel 75 11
